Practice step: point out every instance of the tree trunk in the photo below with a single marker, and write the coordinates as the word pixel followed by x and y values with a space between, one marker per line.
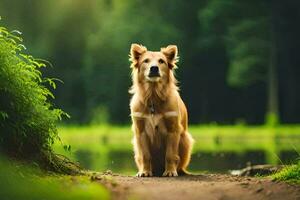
pixel 272 86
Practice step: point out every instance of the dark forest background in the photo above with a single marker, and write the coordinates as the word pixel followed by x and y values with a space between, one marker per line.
pixel 239 60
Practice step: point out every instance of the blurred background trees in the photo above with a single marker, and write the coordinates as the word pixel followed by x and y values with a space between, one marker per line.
pixel 238 59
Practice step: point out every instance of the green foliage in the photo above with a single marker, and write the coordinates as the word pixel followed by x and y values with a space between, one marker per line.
pixel 21 182
pixel 245 37
pixel 248 50
pixel 289 173
pixel 27 118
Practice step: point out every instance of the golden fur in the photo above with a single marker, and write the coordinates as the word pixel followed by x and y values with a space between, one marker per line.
pixel 162 144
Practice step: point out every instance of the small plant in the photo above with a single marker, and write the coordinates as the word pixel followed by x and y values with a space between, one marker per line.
pixel 289 173
pixel 27 117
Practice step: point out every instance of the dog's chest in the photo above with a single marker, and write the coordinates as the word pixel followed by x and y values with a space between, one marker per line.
pixel 155 128
pixel 155 124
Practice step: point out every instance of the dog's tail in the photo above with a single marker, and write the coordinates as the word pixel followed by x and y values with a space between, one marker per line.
pixel 184 172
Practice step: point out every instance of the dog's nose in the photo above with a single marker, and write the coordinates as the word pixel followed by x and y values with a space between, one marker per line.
pixel 154 70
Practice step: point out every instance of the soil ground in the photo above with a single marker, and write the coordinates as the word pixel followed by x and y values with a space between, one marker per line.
pixel 204 186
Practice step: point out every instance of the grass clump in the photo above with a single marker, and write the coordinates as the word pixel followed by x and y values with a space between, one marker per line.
pixel 27 117
pixel 19 182
pixel 289 173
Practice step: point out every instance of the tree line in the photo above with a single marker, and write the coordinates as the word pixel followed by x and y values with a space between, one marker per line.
pixel 238 59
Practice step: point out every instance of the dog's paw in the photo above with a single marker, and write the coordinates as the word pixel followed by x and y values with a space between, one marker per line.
pixel 170 173
pixel 144 174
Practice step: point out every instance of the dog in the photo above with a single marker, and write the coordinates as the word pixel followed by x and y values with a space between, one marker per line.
pixel 162 143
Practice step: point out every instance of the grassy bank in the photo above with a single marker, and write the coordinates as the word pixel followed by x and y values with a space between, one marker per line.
pixel 19 182
pixel 289 174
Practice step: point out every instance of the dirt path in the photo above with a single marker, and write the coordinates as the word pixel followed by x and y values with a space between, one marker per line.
pixel 206 187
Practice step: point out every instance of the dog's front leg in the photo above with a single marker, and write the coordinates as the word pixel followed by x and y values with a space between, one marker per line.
pixel 172 157
pixel 142 150
pixel 144 156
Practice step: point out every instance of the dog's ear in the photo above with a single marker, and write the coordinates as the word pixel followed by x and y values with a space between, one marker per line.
pixel 136 51
pixel 171 53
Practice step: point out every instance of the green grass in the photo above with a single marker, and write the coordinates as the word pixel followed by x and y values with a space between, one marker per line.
pixel 289 173
pixel 19 182
pixel 209 138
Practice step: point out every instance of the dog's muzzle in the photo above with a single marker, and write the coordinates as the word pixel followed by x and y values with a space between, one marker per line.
pixel 154 72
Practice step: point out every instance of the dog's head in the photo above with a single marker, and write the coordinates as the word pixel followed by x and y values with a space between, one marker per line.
pixel 153 66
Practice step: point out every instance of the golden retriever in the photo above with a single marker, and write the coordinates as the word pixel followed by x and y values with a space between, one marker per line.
pixel 162 144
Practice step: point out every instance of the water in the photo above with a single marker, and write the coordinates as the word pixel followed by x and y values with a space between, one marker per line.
pixel 121 161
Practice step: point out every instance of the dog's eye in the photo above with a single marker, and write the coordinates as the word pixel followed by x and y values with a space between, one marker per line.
pixel 146 60
pixel 161 61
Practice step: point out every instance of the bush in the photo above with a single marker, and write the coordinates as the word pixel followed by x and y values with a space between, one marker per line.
pixel 27 118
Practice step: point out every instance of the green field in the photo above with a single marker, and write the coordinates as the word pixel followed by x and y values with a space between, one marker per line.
pixel 216 149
